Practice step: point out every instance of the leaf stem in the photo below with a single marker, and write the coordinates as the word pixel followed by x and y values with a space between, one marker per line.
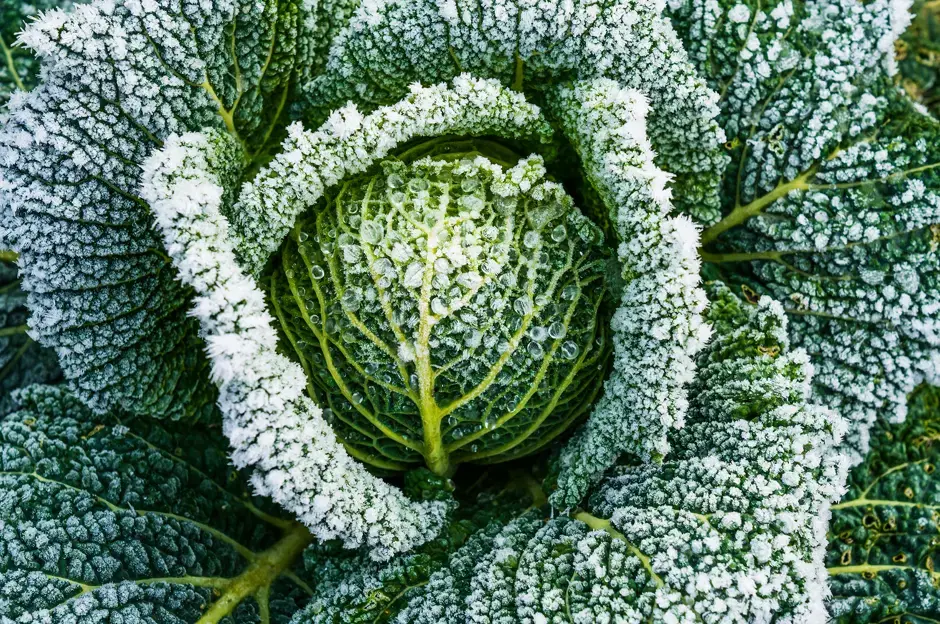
pixel 261 573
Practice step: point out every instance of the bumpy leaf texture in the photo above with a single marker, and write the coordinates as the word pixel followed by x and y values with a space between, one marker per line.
pixel 19 69
pixel 883 537
pixel 22 360
pixel 136 523
pixel 830 198
pixel 118 78
pixel 726 530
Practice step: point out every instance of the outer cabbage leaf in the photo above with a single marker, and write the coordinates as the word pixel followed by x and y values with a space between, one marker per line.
pixel 883 536
pixel 18 68
pixel 22 360
pixel 728 529
pixel 917 53
pixel 830 199
pixel 118 78
pixel 134 523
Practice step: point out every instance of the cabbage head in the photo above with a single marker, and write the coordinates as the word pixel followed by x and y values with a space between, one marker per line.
pixel 441 315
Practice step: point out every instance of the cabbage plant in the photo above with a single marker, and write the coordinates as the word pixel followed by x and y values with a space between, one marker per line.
pixel 462 311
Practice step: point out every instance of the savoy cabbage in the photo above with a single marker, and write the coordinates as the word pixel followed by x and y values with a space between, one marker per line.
pixel 502 310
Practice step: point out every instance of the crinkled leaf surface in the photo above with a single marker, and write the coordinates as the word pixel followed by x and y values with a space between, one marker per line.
pixel 19 69
pixel 119 77
pixel 138 523
pixel 830 198
pixel 22 360
pixel 724 530
pixel 885 533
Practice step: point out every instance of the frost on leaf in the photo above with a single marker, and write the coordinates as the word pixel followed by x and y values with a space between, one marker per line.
pixel 22 361
pixel 730 528
pixel 831 202
pixel 446 309
pixel 272 426
pixel 117 79
pixel 134 522
pixel 883 534
pixel 389 44
pixel 19 69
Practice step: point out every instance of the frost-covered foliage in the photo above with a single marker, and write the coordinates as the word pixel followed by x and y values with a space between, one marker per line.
pixel 136 522
pixel 446 309
pixel 658 326
pixel 22 361
pixel 19 69
pixel 830 199
pixel 882 537
pixel 351 231
pixel 272 425
pixel 118 78
pixel 730 529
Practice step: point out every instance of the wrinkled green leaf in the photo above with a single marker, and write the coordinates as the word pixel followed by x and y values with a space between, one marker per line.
pixel 138 523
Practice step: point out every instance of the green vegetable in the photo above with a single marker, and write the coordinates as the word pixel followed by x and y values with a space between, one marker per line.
pixel 884 536
pixel 134 522
pixel 441 322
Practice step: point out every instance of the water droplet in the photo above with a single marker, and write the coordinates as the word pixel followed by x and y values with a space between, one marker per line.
pixel 328 415
pixel 418 184
pixel 531 239
pixel 317 272
pixel 414 275
pixel 371 232
pixel 315 319
pixel 559 233
pixel 469 185
pixel 535 350
pixel 371 368
pixel 352 208
pixel 394 181
pixel 351 299
pixel 569 349
pixel 310 304
pixel 522 306
pixel 491 267
pixel 504 205
pixel 383 266
pixel 557 330
pixel 471 203
pixel 413 380
pixel 357 397
pixel 303 236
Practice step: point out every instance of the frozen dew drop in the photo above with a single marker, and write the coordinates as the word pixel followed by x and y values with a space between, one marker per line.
pixel 316 272
pixel 469 185
pixel 559 233
pixel 351 299
pixel 538 334
pixel 569 349
pixel 414 275
pixel 417 185
pixel 394 181
pixel 557 330
pixel 531 239
pixel 442 265
pixel 535 350
pixel 438 306
pixel 358 397
pixel 471 202
pixel 504 205
pixel 371 232
pixel 397 198
pixel 522 306
pixel 569 292
pixel 302 236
